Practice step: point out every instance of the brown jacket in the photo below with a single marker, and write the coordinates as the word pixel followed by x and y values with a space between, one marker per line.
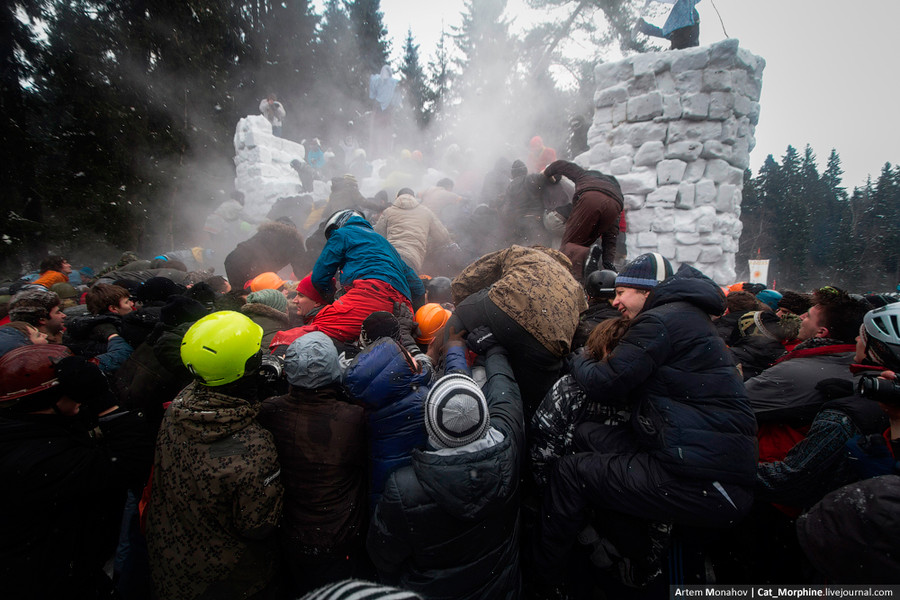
pixel 321 440
pixel 410 228
pixel 531 285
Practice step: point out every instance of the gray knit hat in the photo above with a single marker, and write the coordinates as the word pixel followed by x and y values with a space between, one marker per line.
pixel 271 298
pixel 312 361
pixel 456 412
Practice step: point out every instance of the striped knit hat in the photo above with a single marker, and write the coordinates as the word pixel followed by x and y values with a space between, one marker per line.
pixel 456 412
pixel 359 590
pixel 645 272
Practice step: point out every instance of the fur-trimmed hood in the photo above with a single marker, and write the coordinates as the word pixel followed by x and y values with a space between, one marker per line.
pixel 280 229
pixel 255 309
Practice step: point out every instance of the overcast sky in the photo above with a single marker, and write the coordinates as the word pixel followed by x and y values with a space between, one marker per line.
pixel 831 77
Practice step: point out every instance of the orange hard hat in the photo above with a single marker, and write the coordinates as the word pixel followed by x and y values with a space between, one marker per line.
pixel 266 281
pixel 431 317
pixel 736 287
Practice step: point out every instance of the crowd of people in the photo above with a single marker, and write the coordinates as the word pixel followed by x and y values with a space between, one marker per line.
pixel 328 421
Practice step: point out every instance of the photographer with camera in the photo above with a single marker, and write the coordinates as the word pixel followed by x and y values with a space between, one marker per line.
pixel 879 453
pixel 852 533
pixel 821 462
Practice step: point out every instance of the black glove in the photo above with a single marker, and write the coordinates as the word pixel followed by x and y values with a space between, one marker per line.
pixel 102 331
pixel 482 340
pixel 835 387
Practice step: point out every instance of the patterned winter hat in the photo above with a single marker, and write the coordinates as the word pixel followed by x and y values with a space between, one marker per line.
pixel 645 272
pixel 359 590
pixel 271 298
pixel 456 412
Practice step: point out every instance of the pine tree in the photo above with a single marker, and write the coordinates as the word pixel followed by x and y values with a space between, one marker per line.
pixel 414 81
pixel 22 213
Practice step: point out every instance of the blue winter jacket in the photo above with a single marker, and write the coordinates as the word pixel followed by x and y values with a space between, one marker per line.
pixel 689 406
pixel 360 253
pixel 383 382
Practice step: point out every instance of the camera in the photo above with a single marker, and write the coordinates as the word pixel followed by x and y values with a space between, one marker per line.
pixel 271 368
pixel 878 389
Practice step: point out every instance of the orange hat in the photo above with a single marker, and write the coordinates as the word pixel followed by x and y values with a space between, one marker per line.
pixel 431 318
pixel 736 287
pixel 266 281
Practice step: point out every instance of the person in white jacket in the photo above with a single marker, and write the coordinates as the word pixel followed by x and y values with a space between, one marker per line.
pixel 273 110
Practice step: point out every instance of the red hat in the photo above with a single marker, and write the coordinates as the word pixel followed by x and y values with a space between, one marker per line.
pixel 306 288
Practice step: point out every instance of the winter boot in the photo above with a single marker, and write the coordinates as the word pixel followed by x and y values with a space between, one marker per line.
pixel 593 260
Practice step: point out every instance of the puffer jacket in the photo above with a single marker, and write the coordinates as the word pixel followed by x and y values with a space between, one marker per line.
pixel 384 383
pixel 359 253
pixel 533 287
pixel 690 408
pixel 447 526
pixel 411 228
pixel 216 500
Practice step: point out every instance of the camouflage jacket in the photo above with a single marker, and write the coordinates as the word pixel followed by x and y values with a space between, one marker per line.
pixel 216 499
pixel 531 285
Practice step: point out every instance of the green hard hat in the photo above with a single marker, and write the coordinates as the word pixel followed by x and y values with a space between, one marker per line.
pixel 217 347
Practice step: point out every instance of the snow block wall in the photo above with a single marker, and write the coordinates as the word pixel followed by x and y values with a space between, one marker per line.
pixel 263 167
pixel 676 129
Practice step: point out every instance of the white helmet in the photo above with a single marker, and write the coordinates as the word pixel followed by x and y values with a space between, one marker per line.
pixel 339 219
pixel 883 333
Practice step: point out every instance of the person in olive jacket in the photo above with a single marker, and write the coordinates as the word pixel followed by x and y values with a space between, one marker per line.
pixel 447 525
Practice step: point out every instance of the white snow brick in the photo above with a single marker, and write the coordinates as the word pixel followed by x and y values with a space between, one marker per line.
pixel 620 166
pixel 705 193
pixel 645 107
pixel 695 106
pixel 686 151
pixel 685 198
pixel 638 182
pixel 664 196
pixel 695 170
pixel 670 171
pixel 650 153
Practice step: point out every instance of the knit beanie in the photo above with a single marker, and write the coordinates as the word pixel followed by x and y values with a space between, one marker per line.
pixel 359 590
pixel 64 290
pixel 271 298
pixel 765 323
pixel 377 325
pixel 306 288
pixel 456 412
pixel 312 361
pixel 795 302
pixel 644 272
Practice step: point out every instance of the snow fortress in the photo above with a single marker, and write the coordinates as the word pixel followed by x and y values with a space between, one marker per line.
pixel 676 129
pixel 263 167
